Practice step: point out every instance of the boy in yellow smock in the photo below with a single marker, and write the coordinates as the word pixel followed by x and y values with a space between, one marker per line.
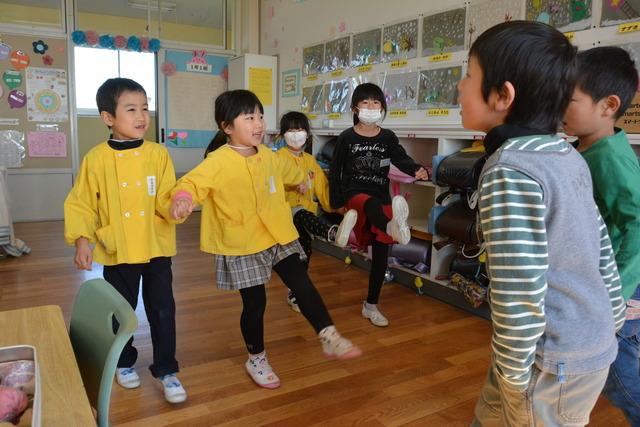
pixel 115 205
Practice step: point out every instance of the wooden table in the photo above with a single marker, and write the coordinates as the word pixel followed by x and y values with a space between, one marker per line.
pixel 64 400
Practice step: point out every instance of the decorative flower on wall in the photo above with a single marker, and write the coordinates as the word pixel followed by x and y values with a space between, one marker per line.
pixel 40 47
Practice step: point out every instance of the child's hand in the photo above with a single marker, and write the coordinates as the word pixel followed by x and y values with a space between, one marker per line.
pixel 181 208
pixel 302 187
pixel 422 174
pixel 84 254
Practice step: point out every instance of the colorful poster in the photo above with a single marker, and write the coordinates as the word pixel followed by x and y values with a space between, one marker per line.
pixel 366 48
pixel 47 95
pixel 484 15
pixel 46 144
pixel 312 59
pixel 443 32
pixel 290 83
pixel 565 15
pixel 400 91
pixel 400 41
pixel 615 12
pixel 336 54
pixel 260 83
pixel 439 88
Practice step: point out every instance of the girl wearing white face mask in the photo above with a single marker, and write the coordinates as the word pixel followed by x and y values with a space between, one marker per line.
pixel 295 129
pixel 359 180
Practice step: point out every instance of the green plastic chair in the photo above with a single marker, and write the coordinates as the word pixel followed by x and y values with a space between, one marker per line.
pixel 96 347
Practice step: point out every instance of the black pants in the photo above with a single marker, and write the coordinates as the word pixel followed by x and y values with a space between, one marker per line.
pixel 379 251
pixel 158 304
pixel 293 273
pixel 309 225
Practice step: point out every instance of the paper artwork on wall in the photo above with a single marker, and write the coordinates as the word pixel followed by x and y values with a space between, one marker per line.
pixel 1 91
pixel 312 99
pixel 401 90
pixel 11 148
pixel 290 83
pixel 485 15
pixel 337 97
pixel 443 32
pixel 12 79
pixel 439 88
pixel 46 144
pixel 5 51
pixel 366 47
pixel 565 15
pixel 47 95
pixel 615 12
pixel 312 59
pixel 336 54
pixel 630 120
pixel 400 41
pixel 19 60
pixel 358 79
pixel 16 99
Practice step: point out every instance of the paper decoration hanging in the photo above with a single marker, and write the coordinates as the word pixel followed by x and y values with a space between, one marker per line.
pixel 616 12
pixel 12 78
pixel 16 99
pixel 5 50
pixel 168 68
pixel 19 59
pixel 565 15
pixel 366 48
pixel 47 60
pixel 106 41
pixel 46 144
pixel 40 47
pixel 47 95
pixel 443 32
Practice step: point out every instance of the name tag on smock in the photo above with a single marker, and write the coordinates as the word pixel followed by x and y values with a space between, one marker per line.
pixel 385 162
pixel 151 185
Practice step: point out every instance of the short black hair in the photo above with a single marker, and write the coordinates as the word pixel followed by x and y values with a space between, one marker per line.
pixel 365 91
pixel 608 70
pixel 109 93
pixel 229 105
pixel 294 120
pixel 540 63
pixel 232 103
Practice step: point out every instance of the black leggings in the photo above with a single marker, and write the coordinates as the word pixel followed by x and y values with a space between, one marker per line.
pixel 309 225
pixel 379 251
pixel 293 273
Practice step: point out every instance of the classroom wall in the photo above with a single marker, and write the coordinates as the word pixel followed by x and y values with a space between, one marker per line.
pixel 286 28
pixel 91 131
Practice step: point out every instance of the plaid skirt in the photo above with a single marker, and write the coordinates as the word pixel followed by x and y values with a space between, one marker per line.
pixel 245 271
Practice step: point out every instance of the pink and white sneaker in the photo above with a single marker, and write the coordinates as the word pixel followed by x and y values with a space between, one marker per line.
pixel 261 372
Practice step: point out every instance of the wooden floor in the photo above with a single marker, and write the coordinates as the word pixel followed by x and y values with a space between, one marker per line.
pixel 425 369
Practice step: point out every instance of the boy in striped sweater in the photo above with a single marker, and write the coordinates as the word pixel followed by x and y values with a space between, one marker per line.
pixel 601 96
pixel 555 291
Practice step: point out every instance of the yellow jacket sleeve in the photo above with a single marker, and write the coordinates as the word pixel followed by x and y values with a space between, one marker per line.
pixel 166 184
pixel 199 181
pixel 81 207
pixel 321 186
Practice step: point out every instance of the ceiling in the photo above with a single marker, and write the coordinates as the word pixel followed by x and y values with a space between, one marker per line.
pixel 201 13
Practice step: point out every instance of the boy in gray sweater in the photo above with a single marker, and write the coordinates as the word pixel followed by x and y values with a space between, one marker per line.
pixel 555 290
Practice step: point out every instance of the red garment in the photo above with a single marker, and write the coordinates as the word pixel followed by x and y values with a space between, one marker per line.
pixel 365 232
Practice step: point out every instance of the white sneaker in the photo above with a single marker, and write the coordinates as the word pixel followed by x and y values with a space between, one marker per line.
pixel 344 229
pixel 397 228
pixel 173 390
pixel 374 316
pixel 291 300
pixel 127 377
pixel 335 346
pixel 261 371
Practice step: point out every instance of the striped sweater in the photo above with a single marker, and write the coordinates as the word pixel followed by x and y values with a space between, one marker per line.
pixel 555 291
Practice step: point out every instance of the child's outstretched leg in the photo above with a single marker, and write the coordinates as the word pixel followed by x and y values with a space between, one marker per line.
pixel 308 224
pixel 294 275
pixel 379 261
pixel 254 301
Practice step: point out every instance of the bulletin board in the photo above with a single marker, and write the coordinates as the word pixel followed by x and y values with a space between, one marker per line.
pixel 34 98
pixel 193 80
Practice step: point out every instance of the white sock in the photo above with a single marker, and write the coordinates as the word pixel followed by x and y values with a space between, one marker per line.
pixel 371 307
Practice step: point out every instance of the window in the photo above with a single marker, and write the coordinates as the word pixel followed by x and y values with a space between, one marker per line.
pixel 94 66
